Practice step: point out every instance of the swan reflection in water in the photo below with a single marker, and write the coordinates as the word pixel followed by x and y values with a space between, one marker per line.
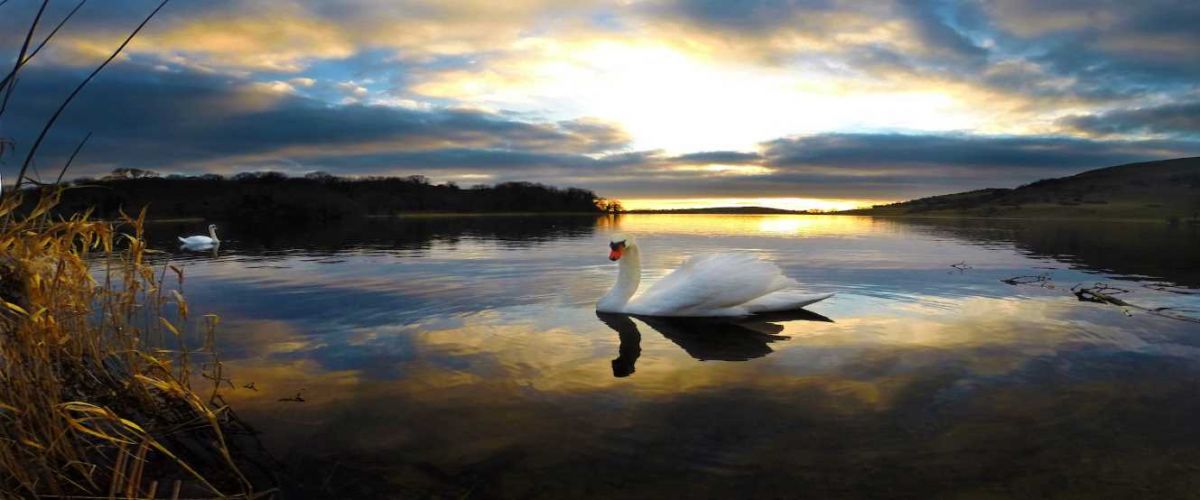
pixel 706 339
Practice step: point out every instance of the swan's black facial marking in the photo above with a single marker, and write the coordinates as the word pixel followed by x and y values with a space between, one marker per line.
pixel 617 248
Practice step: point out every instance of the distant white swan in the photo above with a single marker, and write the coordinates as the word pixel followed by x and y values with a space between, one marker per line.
pixel 705 286
pixel 202 241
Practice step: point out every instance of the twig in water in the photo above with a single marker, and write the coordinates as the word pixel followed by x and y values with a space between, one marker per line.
pixel 1169 288
pixel 1104 294
pixel 296 399
pixel 1100 293
pixel 961 266
pixel 1043 280
pixel 215 376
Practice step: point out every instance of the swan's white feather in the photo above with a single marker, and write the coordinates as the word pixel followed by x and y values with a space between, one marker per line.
pixel 713 285
pixel 784 300
pixel 196 240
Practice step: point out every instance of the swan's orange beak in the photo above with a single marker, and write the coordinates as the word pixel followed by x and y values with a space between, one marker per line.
pixel 617 248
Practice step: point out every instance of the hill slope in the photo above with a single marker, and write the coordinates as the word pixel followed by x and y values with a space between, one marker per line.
pixel 1165 190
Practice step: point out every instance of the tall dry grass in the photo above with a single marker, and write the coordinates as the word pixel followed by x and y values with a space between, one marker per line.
pixel 96 376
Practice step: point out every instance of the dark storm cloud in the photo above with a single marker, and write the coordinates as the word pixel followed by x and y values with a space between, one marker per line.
pixel 184 121
pixel 961 152
pixel 159 119
pixel 891 165
pixel 1177 119
pixel 512 165
pixel 733 157
pixel 111 17
pixel 883 166
pixel 756 15
pixel 1135 45
pixel 782 186
pixel 152 111
pixel 932 20
pixel 1056 49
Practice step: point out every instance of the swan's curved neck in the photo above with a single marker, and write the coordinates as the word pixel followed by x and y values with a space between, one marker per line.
pixel 212 233
pixel 628 278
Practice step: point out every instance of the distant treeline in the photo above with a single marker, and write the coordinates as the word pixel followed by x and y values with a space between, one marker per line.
pixel 318 196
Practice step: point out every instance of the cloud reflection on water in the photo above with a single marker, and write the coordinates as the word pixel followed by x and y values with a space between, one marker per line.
pixel 480 365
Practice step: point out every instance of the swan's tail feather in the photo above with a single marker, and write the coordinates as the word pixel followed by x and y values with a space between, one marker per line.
pixel 181 239
pixel 784 300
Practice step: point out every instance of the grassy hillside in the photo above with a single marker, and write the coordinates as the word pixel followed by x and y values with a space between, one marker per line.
pixel 1163 190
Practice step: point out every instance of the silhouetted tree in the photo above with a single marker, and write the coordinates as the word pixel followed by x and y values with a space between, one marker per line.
pixel 130 173
pixel 317 196
pixel 609 205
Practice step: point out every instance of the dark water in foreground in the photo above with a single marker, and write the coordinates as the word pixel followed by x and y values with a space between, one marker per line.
pixel 461 357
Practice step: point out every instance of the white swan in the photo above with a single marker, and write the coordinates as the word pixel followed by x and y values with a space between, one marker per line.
pixel 711 285
pixel 201 241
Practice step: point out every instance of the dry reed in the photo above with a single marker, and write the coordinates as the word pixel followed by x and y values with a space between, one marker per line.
pixel 96 393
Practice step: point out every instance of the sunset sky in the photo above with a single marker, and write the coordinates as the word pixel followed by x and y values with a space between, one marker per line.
pixel 660 103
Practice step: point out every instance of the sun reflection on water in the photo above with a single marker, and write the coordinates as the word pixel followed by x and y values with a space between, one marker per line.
pixel 480 357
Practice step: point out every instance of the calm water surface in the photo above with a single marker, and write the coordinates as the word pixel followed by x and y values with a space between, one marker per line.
pixel 461 357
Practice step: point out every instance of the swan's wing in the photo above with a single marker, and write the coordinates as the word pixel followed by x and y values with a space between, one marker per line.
pixel 784 300
pixel 710 285
pixel 196 240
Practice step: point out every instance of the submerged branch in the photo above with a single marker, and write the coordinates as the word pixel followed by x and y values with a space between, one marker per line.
pixel 1103 293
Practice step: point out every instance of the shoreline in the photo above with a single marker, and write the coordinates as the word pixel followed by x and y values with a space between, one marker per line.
pixel 402 216
pixel 1030 218
pixel 936 216
pixel 416 215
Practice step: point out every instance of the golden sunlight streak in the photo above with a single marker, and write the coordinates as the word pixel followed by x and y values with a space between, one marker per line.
pixel 822 204
pixel 721 170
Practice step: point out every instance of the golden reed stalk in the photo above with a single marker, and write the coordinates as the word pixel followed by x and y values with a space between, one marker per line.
pixel 96 396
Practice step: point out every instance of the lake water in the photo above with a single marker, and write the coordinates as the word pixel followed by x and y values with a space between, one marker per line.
pixel 461 357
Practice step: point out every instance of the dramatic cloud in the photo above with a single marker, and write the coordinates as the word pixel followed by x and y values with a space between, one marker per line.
pixel 181 121
pixel 878 166
pixel 1178 119
pixel 650 99
pixel 963 152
